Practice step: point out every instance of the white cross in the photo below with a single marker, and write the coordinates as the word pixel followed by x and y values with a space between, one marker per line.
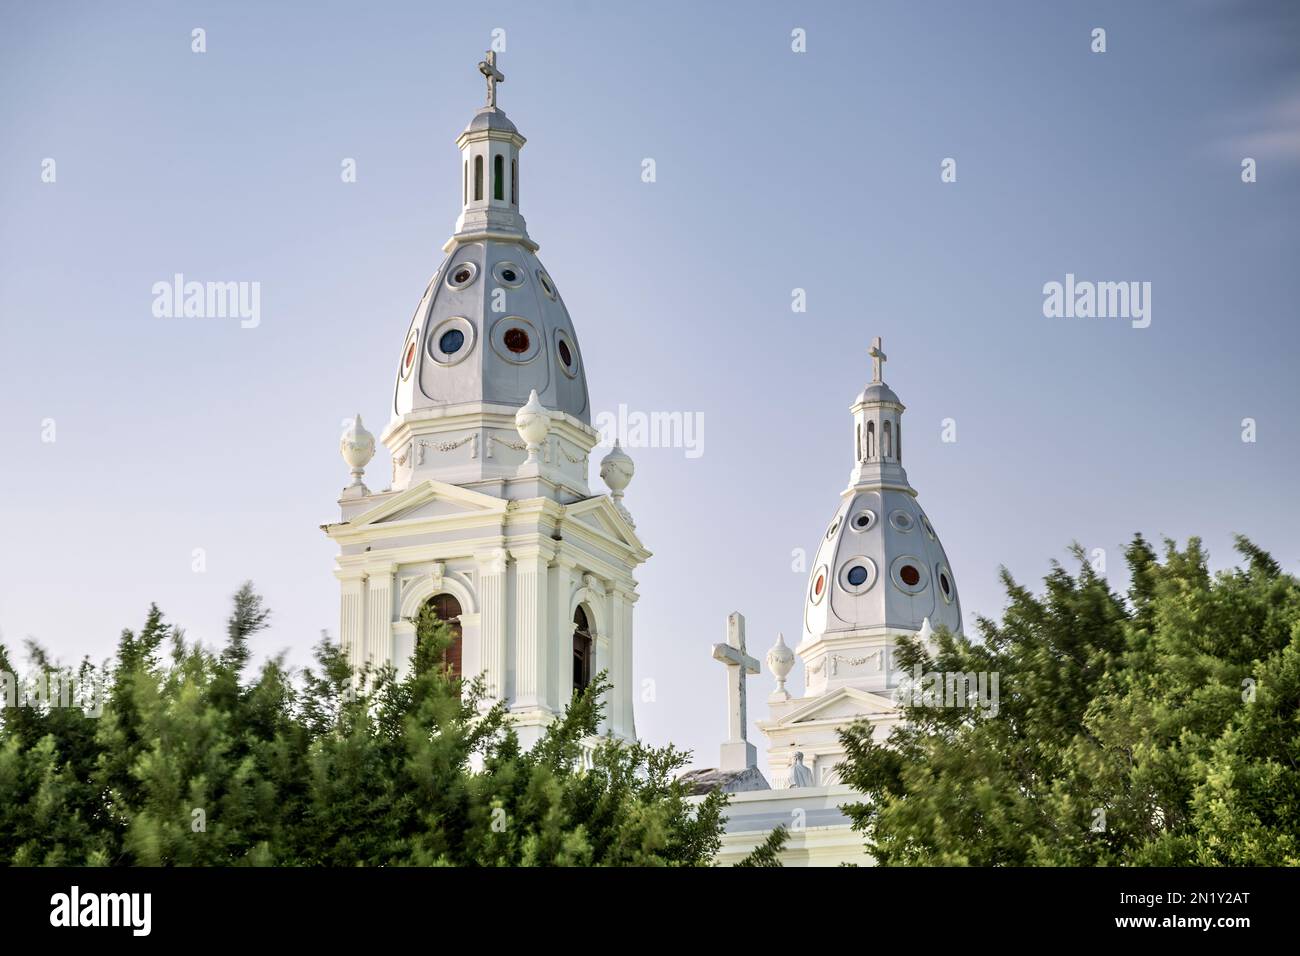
pixel 494 76
pixel 878 359
pixel 739 666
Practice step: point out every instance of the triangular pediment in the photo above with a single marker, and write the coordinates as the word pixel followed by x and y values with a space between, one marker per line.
pixel 429 499
pixel 844 703
pixel 600 515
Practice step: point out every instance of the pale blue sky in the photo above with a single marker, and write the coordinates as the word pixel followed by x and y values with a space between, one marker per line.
pixel 776 170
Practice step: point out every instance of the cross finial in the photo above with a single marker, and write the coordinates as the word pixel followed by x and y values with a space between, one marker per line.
pixel 878 359
pixel 493 76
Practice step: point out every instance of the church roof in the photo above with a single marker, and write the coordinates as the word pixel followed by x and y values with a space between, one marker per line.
pixel 491 118
pixel 879 565
pixel 462 348
pixel 491 326
pixel 877 392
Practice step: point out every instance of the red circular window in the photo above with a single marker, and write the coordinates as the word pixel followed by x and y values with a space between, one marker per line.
pixel 410 356
pixel 516 340
pixel 820 583
pixel 909 575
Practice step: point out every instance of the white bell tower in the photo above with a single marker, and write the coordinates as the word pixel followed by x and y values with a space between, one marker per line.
pixel 489 515
pixel 880 572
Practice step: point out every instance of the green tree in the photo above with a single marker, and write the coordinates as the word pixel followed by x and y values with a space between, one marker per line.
pixel 197 762
pixel 1158 730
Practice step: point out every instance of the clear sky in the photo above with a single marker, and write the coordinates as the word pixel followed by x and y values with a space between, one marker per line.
pixel 775 170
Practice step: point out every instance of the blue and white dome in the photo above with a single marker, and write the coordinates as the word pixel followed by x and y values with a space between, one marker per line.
pixel 880 566
pixel 490 328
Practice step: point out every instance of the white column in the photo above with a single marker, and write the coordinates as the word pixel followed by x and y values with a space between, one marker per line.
pixel 352 620
pixel 624 693
pixel 563 575
pixel 492 620
pixel 531 625
pixel 379 615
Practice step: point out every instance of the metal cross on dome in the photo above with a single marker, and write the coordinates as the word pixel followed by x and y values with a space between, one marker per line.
pixel 494 76
pixel 878 359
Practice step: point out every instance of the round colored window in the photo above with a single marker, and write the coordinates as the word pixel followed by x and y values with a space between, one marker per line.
pixel 451 341
pixel 857 575
pixel 565 355
pixel 461 276
pixel 820 585
pixel 516 340
pixel 909 575
pixel 410 356
pixel 943 583
pixel 509 275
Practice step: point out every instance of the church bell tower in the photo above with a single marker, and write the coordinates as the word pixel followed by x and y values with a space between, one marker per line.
pixel 489 516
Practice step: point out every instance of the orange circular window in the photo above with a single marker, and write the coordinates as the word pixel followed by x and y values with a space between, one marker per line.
pixel 516 340
pixel 820 585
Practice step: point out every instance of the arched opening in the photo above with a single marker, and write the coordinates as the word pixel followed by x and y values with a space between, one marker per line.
pixel 583 651
pixel 885 442
pixel 498 177
pixel 478 178
pixel 871 440
pixel 447 608
pixel 514 181
pixel 898 441
pixel 464 185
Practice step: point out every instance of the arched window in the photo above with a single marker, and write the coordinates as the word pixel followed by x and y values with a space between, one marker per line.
pixel 898 440
pixel 582 651
pixel 499 177
pixel 447 608
pixel 464 185
pixel 514 181
pixel 885 443
pixel 871 440
pixel 857 438
pixel 478 177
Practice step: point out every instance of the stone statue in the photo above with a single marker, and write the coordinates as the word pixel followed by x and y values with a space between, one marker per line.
pixel 800 776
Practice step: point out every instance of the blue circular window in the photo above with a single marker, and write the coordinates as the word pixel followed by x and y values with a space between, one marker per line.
pixel 857 575
pixel 451 341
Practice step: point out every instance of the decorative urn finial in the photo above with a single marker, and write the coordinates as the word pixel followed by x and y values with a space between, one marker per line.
pixel 357 447
pixel 533 422
pixel 616 471
pixel 926 632
pixel 780 661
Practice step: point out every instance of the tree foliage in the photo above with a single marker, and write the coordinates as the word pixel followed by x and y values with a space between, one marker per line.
pixel 194 761
pixel 1159 730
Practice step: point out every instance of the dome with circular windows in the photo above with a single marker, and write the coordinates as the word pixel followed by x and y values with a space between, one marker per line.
pixel 880 564
pixel 491 356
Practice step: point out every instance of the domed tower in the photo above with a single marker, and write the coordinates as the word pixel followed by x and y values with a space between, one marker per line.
pixel 880 571
pixel 490 329
pixel 489 517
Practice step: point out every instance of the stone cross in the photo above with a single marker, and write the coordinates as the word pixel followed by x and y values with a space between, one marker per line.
pixel 494 76
pixel 737 753
pixel 878 359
